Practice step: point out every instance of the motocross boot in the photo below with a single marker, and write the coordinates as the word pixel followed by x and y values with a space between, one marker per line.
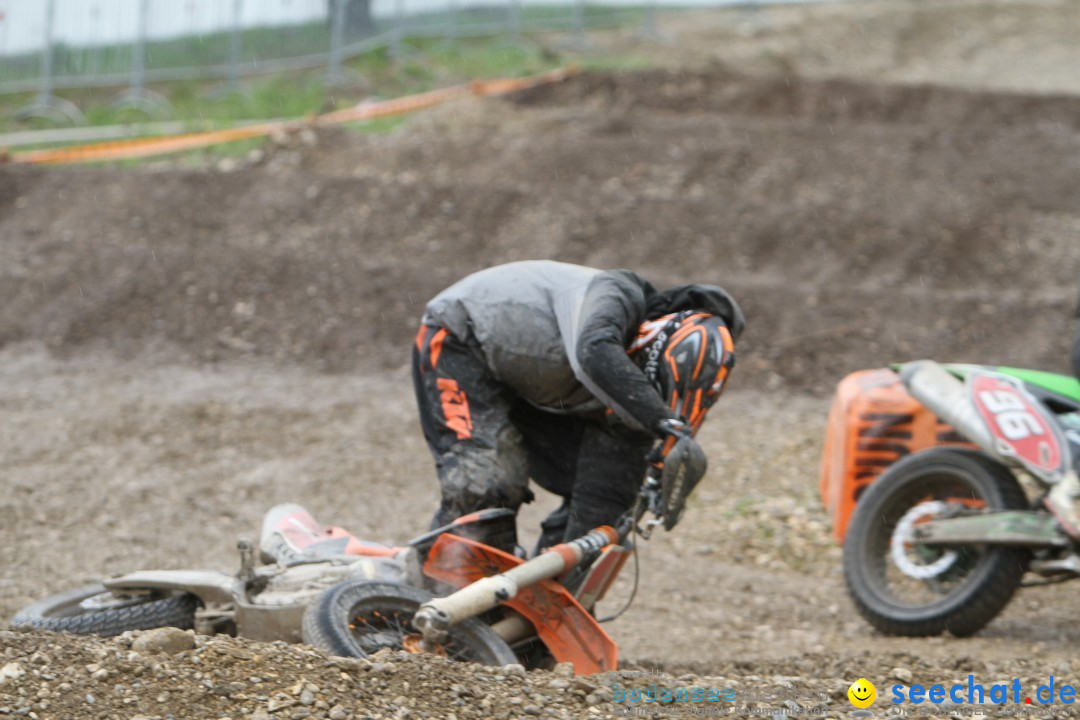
pixel 1063 501
pixel 553 528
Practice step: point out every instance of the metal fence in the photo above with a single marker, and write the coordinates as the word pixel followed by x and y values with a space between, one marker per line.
pixel 48 45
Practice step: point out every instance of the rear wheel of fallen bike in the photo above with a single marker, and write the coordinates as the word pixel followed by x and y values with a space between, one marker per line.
pixel 903 587
pixel 357 618
pixel 93 610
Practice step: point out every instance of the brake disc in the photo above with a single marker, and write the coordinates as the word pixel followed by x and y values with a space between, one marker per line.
pixel 903 537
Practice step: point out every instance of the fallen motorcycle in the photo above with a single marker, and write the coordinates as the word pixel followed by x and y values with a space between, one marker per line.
pixel 451 591
pixel 924 483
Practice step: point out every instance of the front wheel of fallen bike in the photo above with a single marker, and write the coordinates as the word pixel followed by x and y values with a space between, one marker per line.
pixel 357 618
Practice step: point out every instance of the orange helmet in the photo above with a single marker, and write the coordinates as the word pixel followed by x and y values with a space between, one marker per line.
pixel 687 356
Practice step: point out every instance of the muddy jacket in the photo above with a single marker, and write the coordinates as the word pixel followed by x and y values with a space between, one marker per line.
pixel 557 333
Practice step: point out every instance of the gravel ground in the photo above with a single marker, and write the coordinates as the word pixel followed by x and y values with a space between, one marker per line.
pixel 133 676
pixel 121 465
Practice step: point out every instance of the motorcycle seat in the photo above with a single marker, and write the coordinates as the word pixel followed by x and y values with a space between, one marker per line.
pixel 291 534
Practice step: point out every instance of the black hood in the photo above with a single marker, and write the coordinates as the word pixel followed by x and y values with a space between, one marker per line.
pixel 705 298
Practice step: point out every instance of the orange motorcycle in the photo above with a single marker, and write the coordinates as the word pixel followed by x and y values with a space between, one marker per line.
pixel 449 592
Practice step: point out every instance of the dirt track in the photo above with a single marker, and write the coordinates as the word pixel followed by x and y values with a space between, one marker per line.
pixel 181 349
pixel 846 217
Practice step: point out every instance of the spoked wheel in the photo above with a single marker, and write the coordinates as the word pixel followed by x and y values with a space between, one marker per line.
pixel 357 618
pixel 903 587
pixel 93 610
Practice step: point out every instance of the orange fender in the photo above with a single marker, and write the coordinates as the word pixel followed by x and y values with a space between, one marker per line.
pixel 570 633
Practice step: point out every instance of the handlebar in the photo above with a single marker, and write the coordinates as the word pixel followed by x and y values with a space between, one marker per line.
pixel 648 498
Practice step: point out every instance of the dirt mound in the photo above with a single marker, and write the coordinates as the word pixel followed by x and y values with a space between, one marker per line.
pixel 60 676
pixel 721 90
pixel 857 223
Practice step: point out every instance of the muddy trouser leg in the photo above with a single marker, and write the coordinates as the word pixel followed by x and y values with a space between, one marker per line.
pixel 464 413
pixel 610 469
pixel 595 467
pixel 552 442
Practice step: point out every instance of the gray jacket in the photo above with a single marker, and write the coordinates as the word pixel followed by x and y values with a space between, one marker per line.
pixel 557 333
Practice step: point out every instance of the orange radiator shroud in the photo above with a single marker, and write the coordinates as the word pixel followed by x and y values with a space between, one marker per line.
pixel 873 422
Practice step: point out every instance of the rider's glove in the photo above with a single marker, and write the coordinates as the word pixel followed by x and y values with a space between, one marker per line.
pixel 678 462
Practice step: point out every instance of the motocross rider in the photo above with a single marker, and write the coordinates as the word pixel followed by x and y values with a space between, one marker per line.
pixel 567 375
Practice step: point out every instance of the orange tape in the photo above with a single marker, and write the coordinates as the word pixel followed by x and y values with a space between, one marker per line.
pixel 502 86
pixel 142 147
pixel 389 108
pixel 146 147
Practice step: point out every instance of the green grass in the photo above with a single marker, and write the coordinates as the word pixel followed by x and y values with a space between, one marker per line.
pixel 425 65
pixel 428 64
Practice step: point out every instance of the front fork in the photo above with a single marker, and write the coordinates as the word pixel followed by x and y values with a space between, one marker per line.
pixel 435 617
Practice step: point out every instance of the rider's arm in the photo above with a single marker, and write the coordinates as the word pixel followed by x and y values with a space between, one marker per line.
pixel 612 309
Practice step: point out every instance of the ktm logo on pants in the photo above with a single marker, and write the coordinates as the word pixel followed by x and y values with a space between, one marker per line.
pixel 455 407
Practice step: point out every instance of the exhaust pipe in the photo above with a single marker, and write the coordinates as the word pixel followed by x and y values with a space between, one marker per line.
pixel 946 396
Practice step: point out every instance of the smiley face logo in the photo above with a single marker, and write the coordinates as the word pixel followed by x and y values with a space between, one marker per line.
pixel 862 693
